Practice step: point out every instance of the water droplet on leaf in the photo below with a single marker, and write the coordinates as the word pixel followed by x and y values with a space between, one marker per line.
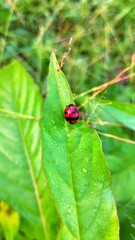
pixel 133 225
pixel 69 211
pixel 84 170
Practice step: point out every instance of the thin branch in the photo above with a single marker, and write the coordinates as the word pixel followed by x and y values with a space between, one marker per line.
pixel 108 123
pixel 119 78
pixel 116 137
pixel 65 55
pixel 102 88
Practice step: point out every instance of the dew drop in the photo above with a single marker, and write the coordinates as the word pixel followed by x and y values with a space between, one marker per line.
pixel 84 170
pixel 98 223
pixel 103 227
pixel 69 211
pixel 53 121
pixel 87 160
pixel 84 147
pixel 133 225
pixel 57 162
pixel 93 126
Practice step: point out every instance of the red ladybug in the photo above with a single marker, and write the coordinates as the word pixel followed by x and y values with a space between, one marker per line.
pixel 71 113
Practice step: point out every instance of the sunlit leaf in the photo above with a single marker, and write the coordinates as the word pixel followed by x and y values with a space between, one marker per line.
pixel 75 167
pixel 22 182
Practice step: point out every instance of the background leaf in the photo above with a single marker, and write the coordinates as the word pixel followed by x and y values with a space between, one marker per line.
pixel 22 182
pixel 116 112
pixel 122 167
pixel 75 168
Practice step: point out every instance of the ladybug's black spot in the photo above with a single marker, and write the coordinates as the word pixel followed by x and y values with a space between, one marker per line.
pixel 70 105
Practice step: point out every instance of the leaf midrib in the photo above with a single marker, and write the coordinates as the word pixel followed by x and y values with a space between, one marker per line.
pixel 70 166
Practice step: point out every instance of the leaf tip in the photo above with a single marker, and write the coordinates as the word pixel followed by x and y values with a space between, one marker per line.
pixel 54 62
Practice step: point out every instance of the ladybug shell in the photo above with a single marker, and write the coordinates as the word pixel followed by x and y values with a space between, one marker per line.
pixel 71 114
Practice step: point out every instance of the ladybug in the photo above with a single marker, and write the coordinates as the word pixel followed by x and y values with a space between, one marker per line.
pixel 71 113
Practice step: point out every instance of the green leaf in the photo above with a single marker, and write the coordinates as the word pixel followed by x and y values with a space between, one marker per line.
pixel 115 112
pixel 127 219
pixel 122 166
pixel 75 168
pixel 22 182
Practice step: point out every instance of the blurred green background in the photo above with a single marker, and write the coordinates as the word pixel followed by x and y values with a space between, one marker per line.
pixel 103 35
pixel 102 32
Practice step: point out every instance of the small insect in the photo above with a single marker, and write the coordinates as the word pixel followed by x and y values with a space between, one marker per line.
pixel 71 113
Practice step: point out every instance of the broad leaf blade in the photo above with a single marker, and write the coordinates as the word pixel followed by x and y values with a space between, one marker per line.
pixel 75 168
pixel 22 183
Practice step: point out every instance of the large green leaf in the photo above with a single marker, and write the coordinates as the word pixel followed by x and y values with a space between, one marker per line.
pixel 75 168
pixel 22 182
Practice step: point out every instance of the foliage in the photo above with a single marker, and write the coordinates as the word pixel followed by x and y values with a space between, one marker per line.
pixel 75 168
pixel 30 30
pixel 22 182
pixel 103 44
